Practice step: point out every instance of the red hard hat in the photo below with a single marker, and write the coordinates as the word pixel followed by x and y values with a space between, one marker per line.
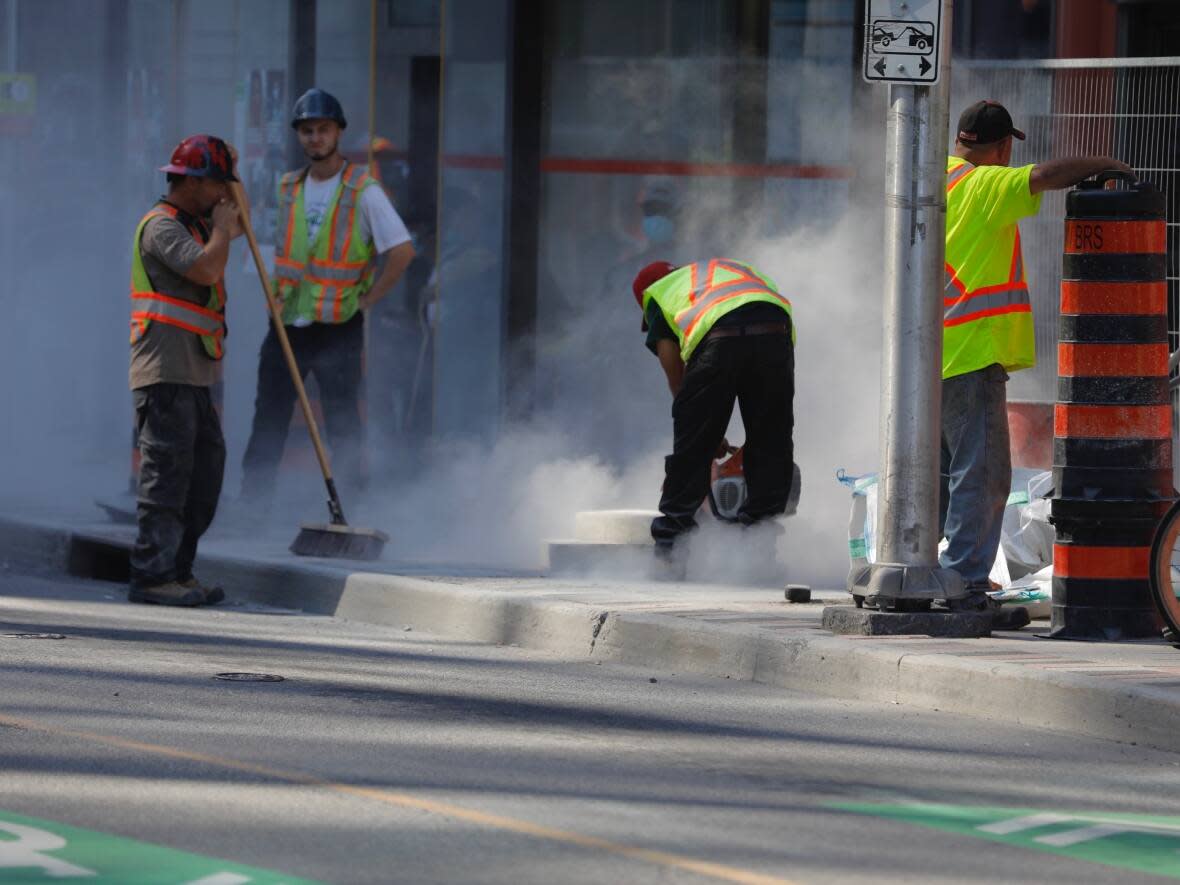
pixel 657 270
pixel 202 156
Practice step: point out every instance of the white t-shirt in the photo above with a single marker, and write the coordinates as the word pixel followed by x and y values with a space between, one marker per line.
pixel 380 222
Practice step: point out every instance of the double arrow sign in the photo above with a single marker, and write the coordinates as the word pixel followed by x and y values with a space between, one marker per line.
pixel 923 67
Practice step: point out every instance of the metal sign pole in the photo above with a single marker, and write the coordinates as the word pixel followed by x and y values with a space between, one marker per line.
pixel 906 575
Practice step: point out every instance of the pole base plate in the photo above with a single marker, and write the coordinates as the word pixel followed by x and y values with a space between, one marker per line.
pixel 848 620
pixel 891 585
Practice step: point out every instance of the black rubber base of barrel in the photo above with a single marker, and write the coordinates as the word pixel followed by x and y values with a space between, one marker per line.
pixel 1104 624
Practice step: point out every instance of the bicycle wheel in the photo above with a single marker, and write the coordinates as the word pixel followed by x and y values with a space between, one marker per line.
pixel 1164 573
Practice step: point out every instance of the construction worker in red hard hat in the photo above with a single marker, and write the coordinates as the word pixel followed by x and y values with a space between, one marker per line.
pixel 723 334
pixel 178 260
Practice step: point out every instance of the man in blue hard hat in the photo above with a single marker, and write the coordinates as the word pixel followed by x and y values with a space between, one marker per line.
pixel 340 247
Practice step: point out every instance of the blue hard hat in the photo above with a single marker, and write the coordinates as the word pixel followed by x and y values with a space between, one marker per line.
pixel 315 104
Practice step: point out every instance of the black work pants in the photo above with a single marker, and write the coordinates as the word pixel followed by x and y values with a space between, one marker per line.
pixel 332 354
pixel 182 461
pixel 758 372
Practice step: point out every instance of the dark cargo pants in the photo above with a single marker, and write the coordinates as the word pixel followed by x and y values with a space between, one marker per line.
pixel 182 456
pixel 333 354
pixel 758 372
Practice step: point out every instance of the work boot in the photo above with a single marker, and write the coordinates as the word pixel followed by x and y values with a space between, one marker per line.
pixel 171 593
pixel 213 594
pixel 1010 617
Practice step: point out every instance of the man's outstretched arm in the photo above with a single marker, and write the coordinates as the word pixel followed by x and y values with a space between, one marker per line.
pixel 1056 175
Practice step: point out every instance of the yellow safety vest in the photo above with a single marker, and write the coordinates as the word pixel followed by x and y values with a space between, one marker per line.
pixel 694 297
pixel 148 305
pixel 323 282
pixel 987 315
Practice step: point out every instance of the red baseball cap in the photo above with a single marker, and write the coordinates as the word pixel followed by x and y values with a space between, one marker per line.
pixel 653 272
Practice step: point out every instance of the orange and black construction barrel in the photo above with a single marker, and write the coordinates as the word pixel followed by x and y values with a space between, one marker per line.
pixel 1112 447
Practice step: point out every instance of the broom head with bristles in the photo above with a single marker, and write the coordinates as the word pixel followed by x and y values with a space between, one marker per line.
pixel 338 542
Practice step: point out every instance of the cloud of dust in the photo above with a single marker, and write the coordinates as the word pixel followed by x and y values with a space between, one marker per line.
pixel 603 421
pixel 496 504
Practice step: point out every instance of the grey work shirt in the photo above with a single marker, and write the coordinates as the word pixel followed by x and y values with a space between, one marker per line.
pixel 168 354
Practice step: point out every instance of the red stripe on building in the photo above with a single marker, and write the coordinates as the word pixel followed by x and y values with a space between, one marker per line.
pixel 591 166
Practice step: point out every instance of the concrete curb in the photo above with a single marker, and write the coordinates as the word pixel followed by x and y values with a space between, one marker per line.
pixel 805 659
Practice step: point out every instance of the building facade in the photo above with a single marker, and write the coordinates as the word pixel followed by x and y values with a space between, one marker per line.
pixel 540 150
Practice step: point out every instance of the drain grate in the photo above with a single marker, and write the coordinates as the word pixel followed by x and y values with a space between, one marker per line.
pixel 32 636
pixel 249 677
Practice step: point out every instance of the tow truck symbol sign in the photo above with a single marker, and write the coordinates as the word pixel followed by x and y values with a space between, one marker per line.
pixel 892 37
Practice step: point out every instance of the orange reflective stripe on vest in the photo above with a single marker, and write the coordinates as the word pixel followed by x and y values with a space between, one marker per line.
pixel 176 312
pixel 147 306
pixel 957 175
pixel 693 297
pixel 335 273
pixel 706 294
pixel 321 280
pixel 963 306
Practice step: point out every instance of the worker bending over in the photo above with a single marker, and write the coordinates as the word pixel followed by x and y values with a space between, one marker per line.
pixel 722 333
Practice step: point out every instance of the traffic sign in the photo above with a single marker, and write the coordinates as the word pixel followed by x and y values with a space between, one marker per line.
pixel 902 41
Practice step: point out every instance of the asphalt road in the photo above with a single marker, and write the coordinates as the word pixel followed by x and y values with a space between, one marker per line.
pixel 386 755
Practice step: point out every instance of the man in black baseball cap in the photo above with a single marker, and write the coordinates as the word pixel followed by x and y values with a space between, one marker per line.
pixel 987 333
pixel 986 122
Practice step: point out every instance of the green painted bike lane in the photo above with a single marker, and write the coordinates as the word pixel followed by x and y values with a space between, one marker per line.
pixel 1140 842
pixel 35 851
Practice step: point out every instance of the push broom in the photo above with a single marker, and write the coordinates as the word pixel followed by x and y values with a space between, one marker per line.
pixel 336 539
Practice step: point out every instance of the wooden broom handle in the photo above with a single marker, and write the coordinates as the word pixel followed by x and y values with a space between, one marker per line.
pixel 276 316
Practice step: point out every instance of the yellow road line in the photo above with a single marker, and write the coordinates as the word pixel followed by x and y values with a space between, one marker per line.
pixel 720 872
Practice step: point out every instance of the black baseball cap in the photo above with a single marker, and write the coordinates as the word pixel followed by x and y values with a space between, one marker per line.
pixel 986 122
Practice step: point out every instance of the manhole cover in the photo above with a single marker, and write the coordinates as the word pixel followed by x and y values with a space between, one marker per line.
pixel 32 636
pixel 249 677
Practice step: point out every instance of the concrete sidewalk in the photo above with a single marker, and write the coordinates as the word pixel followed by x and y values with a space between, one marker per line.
pixel 1122 691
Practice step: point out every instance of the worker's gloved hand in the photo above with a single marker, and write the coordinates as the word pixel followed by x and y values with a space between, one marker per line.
pixel 723 449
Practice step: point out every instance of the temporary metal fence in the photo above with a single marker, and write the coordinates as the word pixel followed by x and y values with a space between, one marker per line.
pixel 1128 108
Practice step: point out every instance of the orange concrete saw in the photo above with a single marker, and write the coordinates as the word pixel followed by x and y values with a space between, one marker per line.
pixel 727 486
